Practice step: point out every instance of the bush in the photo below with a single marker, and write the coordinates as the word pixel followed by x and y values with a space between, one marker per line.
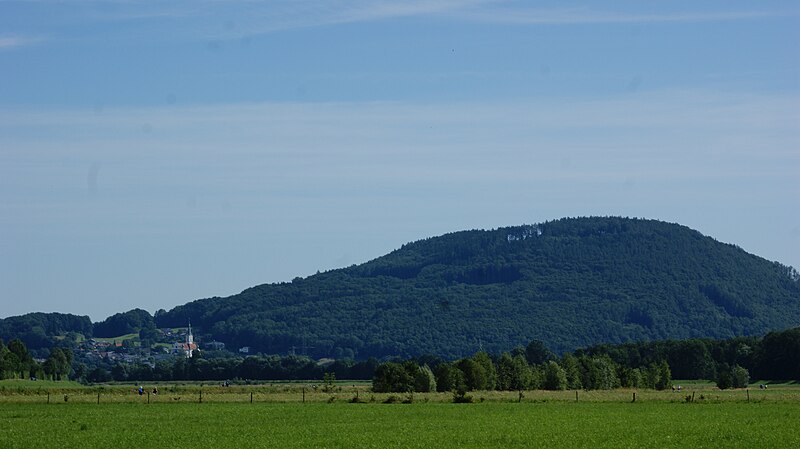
pixel 393 378
pixel 392 400
pixel 555 378
pixel 724 380
pixel 424 380
pixel 461 397
pixel 740 377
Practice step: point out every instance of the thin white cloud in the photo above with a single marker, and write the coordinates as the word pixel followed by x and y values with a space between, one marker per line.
pixel 577 16
pixel 11 42
pixel 671 124
pixel 236 18
pixel 265 19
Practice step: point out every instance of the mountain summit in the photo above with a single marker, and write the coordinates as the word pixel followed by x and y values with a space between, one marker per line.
pixel 570 283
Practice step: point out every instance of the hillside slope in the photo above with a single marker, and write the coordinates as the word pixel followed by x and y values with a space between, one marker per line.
pixel 570 283
pixel 44 330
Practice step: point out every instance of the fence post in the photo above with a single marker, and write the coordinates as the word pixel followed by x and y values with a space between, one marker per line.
pixel 304 395
pixel 634 397
pixel 98 397
pixel 748 395
pixel 148 397
pixel 576 395
pixel 201 395
pixel 251 397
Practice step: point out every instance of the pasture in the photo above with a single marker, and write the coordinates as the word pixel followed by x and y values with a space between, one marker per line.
pixel 278 417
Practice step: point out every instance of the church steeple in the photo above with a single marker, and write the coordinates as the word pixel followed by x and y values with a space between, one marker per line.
pixel 190 347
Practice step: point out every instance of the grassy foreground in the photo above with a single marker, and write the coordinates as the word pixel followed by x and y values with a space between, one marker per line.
pixel 418 425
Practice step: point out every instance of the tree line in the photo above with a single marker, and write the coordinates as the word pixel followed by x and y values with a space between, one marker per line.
pixel 17 362
pixel 521 369
pixel 730 363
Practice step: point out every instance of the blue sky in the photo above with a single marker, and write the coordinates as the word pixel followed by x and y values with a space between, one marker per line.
pixel 153 153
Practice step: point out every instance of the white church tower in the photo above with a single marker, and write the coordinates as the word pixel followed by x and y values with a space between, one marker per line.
pixel 189 347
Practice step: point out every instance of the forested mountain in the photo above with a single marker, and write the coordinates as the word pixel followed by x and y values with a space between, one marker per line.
pixel 42 330
pixel 569 283
pixel 124 323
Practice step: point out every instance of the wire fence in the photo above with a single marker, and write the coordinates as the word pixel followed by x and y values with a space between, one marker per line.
pixel 168 394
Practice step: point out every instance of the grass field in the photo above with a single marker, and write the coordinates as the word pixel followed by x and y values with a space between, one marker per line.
pixel 418 425
pixel 117 339
pixel 64 415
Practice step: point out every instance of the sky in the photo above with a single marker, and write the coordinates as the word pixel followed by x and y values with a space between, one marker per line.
pixel 153 153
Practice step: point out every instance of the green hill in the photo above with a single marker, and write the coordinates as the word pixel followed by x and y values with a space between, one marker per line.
pixel 570 283
pixel 43 330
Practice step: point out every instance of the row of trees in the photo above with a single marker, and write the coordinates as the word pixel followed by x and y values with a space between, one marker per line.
pixel 731 363
pixel 774 356
pixel 17 362
pixel 217 369
pixel 514 371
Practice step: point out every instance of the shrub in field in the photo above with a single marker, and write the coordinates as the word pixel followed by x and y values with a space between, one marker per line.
pixel 449 378
pixel 461 397
pixel 630 378
pixel 474 374
pixel 443 375
pixel 736 377
pixel 392 400
pixel 724 380
pixel 658 376
pixel 489 371
pixel 424 380
pixel 664 376
pixel 572 370
pixel 555 378
pixel 513 373
pixel 328 381
pixel 392 377
pixel 598 373
pixel 740 377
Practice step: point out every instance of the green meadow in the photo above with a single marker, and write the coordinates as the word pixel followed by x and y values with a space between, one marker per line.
pixel 287 415
pixel 417 425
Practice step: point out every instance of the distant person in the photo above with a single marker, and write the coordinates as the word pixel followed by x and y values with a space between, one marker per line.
pixel 141 390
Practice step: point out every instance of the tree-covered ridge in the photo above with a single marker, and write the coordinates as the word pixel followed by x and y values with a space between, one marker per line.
pixel 569 283
pixel 44 330
pixel 123 323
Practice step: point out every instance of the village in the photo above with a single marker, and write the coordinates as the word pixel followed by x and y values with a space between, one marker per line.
pixel 159 345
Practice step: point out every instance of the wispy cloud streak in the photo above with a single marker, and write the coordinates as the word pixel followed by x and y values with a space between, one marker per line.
pixel 243 17
pixel 577 16
pixel 11 42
